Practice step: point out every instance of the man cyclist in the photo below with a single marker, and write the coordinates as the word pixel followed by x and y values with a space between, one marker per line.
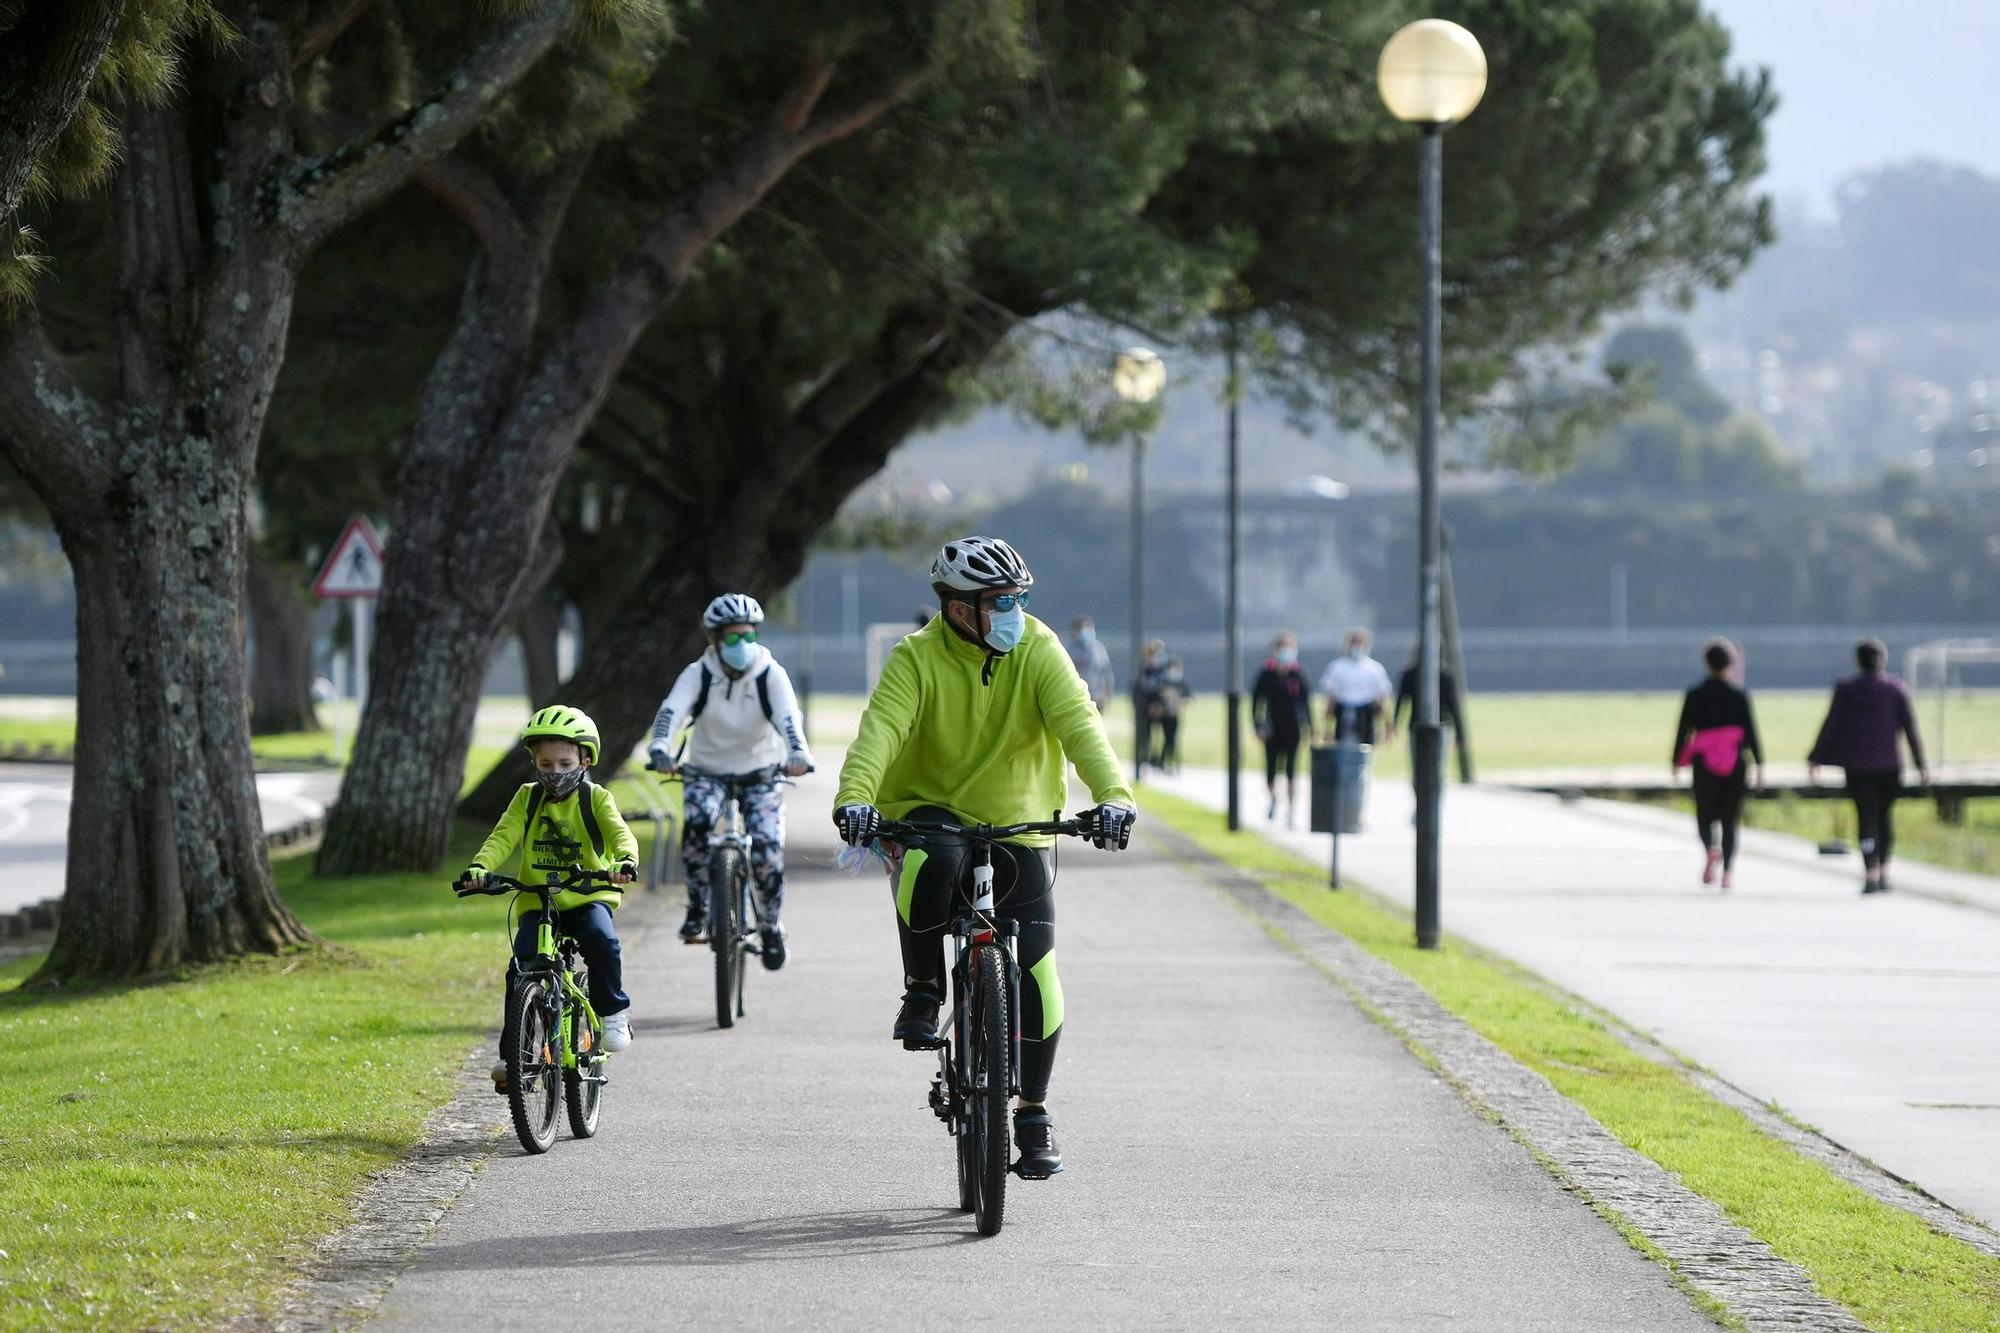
pixel 970 723
pixel 742 718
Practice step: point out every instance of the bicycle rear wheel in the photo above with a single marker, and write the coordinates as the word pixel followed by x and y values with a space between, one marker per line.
pixel 725 930
pixel 582 1093
pixel 534 1082
pixel 988 1067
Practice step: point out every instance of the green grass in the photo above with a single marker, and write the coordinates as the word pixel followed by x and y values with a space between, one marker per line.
pixel 1880 1262
pixel 1920 835
pixel 1591 730
pixel 169 1153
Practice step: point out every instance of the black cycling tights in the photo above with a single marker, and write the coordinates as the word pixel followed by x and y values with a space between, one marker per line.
pixel 1022 884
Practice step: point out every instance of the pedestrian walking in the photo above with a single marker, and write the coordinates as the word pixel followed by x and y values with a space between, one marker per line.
pixel 1448 714
pixel 1281 715
pixel 1091 659
pixel 1174 698
pixel 1866 714
pixel 1357 691
pixel 1716 729
pixel 1146 696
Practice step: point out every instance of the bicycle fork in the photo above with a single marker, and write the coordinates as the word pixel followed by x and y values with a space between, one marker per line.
pixel 985 931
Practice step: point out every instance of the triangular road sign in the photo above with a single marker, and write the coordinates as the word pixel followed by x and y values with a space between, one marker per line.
pixel 354 569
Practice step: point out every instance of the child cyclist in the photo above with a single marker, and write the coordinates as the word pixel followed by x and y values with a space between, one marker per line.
pixel 742 719
pixel 559 820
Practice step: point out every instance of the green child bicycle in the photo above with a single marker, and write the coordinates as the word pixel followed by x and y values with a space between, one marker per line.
pixel 550 1036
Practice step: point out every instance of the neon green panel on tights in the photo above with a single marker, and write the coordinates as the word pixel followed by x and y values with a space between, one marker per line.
pixel 1050 985
pixel 906 883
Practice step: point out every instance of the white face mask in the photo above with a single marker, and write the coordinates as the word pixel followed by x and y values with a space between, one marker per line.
pixel 1357 652
pixel 1287 656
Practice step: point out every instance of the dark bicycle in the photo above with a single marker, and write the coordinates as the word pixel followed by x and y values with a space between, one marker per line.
pixel 550 1036
pixel 732 924
pixel 979 1049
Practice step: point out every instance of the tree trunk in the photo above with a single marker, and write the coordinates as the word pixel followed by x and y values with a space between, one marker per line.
pixel 536 627
pixel 756 539
pixel 397 799
pixel 281 665
pixel 167 864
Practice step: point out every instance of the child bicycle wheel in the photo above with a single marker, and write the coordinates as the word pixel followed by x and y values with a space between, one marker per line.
pixel 583 1086
pixel 534 1083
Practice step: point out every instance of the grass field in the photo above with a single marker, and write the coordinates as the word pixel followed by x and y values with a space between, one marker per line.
pixel 1881 1263
pixel 169 1153
pixel 1531 731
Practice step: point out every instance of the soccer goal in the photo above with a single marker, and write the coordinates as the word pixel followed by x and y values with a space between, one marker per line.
pixel 882 636
pixel 1937 672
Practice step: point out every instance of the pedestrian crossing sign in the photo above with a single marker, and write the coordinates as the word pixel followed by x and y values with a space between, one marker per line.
pixel 354 567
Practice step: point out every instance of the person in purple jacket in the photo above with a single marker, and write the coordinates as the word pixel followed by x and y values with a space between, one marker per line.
pixel 1859 735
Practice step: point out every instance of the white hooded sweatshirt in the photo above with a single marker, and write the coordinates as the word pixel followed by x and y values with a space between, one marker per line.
pixel 735 725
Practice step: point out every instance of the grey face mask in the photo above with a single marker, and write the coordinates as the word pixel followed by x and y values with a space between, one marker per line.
pixel 560 784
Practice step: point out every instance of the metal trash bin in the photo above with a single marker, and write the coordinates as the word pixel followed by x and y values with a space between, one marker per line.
pixel 1339 786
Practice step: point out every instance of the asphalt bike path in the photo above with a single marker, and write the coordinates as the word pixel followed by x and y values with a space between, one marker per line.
pixel 1242 1144
pixel 34 822
pixel 1875 1019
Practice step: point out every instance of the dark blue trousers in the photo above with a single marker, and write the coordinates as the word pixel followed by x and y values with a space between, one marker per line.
pixel 590 926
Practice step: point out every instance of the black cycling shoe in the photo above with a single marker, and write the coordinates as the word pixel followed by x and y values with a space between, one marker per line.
pixel 694 930
pixel 1035 1138
pixel 773 952
pixel 917 1020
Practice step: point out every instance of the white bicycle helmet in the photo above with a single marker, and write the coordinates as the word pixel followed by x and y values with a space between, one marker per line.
pixel 974 564
pixel 732 608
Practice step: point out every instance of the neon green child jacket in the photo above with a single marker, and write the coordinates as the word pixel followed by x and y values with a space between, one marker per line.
pixel 560 841
pixel 941 730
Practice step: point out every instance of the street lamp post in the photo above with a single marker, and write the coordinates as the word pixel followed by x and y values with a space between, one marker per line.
pixel 1432 74
pixel 1138 375
pixel 1232 650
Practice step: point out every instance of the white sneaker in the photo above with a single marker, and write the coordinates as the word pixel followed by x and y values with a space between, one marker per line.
pixel 617 1032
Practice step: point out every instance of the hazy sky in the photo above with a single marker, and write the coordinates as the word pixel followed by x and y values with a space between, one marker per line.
pixel 1862 82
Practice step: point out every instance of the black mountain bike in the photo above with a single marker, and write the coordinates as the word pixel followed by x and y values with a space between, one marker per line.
pixel 551 1037
pixel 979 1049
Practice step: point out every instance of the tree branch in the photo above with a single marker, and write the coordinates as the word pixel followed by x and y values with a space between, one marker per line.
pixel 324 26
pixel 47 62
pixel 314 198
pixel 478 201
pixel 57 437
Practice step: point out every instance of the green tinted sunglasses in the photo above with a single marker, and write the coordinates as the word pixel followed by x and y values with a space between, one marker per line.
pixel 746 636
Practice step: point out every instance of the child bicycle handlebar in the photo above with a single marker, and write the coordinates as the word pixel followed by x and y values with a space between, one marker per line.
pixel 495 885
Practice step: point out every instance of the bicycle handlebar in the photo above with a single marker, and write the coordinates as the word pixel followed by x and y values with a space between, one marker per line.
pixel 900 830
pixel 495 885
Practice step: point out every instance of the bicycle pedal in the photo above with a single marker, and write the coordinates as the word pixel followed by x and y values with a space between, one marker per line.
pixel 1033 1175
pixel 921 1044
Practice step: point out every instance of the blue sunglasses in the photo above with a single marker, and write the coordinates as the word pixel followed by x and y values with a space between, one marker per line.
pixel 1007 601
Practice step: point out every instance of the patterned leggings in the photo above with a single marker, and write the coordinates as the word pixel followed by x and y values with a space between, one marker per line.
pixel 763 816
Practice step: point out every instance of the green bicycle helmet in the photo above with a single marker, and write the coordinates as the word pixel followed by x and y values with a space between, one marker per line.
pixel 563 723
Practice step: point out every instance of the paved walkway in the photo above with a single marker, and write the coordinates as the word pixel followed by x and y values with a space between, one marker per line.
pixel 34 822
pixel 1244 1147
pixel 1875 1019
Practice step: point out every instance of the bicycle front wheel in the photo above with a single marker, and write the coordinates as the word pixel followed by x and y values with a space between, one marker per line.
pixel 534 1073
pixel 988 1067
pixel 725 929
pixel 582 1091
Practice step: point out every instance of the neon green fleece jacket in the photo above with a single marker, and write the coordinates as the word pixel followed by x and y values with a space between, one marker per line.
pixel 940 729
pixel 560 841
